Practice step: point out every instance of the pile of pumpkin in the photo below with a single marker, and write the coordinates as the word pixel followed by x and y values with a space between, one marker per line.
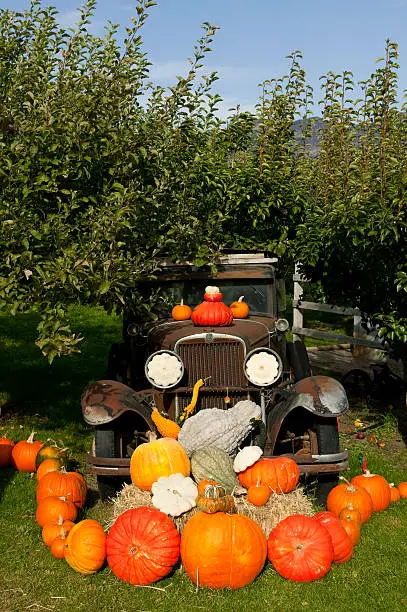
pixel 60 496
pixel 212 311
pixel 218 547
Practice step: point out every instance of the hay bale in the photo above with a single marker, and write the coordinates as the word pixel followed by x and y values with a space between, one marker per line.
pixel 277 508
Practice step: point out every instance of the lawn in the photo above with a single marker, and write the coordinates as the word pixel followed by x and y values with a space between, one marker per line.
pixel 36 396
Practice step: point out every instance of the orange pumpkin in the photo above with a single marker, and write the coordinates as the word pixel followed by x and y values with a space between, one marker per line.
pixel 281 474
pixel 240 309
pixel 394 493
pixel 212 311
pixel 352 526
pixel 55 529
pixel 258 494
pixel 25 452
pixel 402 487
pixel 48 465
pixel 58 547
pixel 51 508
pixel 376 486
pixel 6 447
pixel 61 483
pixel 346 494
pixel 85 549
pixel 212 545
pixel 341 542
pixel 181 312
pixel 158 457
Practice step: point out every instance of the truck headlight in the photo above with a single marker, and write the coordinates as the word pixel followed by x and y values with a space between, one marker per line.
pixel 262 367
pixel 164 369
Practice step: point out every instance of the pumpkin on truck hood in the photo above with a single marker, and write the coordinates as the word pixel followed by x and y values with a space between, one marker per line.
pixel 253 331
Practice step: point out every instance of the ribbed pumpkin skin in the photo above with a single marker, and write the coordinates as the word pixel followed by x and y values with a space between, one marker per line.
pixel 223 550
pixel 394 493
pixel 341 542
pixel 212 312
pixel 24 454
pixel 85 548
pixel 46 466
pixel 71 485
pixel 6 448
pixel 52 507
pixel 402 487
pixel 300 549
pixel 161 457
pixel 345 495
pixel 377 487
pixel 281 474
pixel 214 464
pixel 142 546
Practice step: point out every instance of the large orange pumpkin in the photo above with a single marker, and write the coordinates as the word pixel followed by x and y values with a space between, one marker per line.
pixel 281 474
pixel 61 483
pixel 300 548
pixel 222 550
pixel 212 311
pixel 85 549
pixel 25 452
pixel 156 458
pixel 6 447
pixel 142 546
pixel 343 547
pixel 345 495
pixel 377 487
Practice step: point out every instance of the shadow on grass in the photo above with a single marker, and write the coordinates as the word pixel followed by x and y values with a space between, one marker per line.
pixel 34 393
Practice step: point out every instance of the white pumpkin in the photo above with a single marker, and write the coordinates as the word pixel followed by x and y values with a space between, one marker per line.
pixel 246 457
pixel 174 494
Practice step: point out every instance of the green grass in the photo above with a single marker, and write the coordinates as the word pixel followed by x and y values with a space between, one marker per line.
pixel 46 398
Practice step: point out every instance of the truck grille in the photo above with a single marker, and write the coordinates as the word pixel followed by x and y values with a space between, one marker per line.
pixel 220 359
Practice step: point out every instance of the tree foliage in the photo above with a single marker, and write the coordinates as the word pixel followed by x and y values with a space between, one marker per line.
pixel 103 172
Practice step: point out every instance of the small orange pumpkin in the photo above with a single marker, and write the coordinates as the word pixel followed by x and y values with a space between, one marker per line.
pixel 85 549
pixel 258 494
pixel 51 508
pixel 239 308
pixel 46 466
pixel 58 547
pixel 402 487
pixel 25 452
pixel 55 529
pixel 181 312
pixel 6 448
pixel 346 494
pixel 352 526
pixel 394 493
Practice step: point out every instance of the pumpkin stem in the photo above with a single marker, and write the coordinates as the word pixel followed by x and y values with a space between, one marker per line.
pixel 151 435
pixel 30 438
pixel 241 298
pixel 181 302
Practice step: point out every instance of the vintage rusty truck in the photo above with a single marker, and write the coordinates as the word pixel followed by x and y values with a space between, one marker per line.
pixel 300 411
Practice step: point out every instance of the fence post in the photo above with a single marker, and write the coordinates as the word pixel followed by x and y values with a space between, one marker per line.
pixel 298 318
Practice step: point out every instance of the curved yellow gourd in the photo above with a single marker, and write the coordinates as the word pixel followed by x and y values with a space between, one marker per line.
pixel 166 427
pixel 190 408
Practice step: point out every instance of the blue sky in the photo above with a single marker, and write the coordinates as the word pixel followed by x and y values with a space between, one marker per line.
pixel 256 35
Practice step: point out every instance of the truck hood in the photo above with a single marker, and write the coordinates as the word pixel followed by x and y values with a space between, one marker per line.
pixel 253 331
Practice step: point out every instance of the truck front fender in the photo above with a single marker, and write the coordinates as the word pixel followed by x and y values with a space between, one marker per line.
pixel 105 400
pixel 321 395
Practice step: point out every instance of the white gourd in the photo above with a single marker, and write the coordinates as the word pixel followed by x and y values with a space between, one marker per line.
pixel 246 457
pixel 174 494
pixel 224 429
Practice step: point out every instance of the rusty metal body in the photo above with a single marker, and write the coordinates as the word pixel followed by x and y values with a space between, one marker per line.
pixel 217 354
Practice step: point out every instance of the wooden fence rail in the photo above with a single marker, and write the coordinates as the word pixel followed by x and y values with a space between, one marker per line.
pixel 299 331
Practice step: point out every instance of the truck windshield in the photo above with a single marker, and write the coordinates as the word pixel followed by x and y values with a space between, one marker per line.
pixel 255 294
